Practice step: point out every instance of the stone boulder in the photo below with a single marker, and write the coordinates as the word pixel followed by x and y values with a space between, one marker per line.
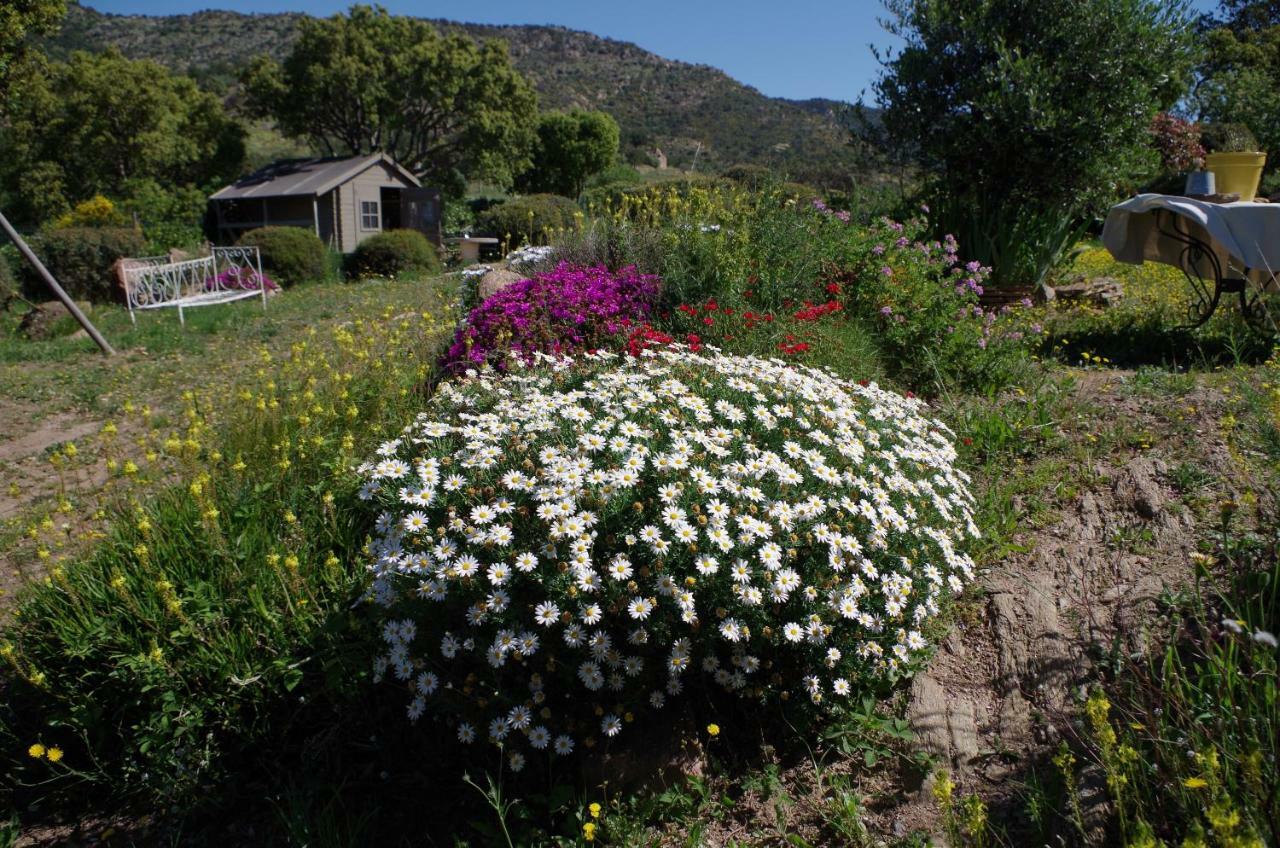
pixel 40 322
pixel 495 281
pixel 1100 291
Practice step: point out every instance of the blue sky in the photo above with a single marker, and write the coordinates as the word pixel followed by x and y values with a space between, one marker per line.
pixel 785 48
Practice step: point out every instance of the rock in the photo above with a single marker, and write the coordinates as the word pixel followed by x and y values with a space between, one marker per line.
pixel 945 724
pixel 41 321
pixel 1100 291
pixel 495 281
pixel 1138 487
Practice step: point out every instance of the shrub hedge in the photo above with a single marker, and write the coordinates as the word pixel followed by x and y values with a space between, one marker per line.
pixel 80 259
pixel 532 218
pixel 395 253
pixel 290 255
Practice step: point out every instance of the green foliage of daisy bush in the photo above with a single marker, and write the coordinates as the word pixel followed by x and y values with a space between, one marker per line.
pixel 577 544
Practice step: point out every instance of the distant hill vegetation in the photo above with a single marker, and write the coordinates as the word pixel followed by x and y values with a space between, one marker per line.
pixel 689 111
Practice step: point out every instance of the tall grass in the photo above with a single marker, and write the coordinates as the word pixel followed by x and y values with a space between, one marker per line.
pixel 1188 740
pixel 179 648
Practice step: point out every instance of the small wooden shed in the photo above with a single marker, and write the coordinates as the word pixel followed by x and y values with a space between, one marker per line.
pixel 344 199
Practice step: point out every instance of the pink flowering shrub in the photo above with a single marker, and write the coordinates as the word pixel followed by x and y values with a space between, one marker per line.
pixel 242 278
pixel 569 310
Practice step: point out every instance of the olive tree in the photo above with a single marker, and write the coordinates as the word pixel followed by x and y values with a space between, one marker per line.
pixel 1028 115
pixel 443 105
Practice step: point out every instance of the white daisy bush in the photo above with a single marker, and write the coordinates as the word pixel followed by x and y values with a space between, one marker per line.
pixel 568 547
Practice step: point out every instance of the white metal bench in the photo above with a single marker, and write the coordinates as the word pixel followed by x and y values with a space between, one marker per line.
pixel 225 275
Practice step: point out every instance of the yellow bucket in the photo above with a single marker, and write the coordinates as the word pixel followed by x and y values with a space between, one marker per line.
pixel 1236 173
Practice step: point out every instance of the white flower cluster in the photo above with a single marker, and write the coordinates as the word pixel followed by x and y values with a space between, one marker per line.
pixel 566 547
pixel 530 257
pixel 468 295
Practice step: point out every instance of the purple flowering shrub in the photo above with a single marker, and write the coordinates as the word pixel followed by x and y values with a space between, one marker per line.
pixel 569 310
pixel 920 297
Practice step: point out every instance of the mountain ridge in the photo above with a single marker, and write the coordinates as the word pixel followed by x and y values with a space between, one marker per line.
pixel 690 111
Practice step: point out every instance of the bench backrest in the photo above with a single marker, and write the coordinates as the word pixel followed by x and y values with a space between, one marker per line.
pixel 148 282
pixel 152 284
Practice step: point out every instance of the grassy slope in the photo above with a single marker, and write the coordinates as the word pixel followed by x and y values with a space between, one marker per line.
pixel 1032 450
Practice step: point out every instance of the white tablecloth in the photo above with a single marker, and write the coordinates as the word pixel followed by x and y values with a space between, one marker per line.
pixel 1242 235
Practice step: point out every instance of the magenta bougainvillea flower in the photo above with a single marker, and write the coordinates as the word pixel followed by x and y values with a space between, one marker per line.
pixel 570 310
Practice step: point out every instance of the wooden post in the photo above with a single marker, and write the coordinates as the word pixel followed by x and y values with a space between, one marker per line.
pixel 57 289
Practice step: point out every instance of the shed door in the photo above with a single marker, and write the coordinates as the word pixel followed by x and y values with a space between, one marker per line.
pixel 420 210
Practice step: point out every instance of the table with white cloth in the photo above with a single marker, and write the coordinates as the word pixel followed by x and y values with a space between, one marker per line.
pixel 1221 248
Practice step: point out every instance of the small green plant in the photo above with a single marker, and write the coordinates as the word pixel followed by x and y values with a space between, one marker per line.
pixel 291 256
pixel 964 818
pixel 1228 138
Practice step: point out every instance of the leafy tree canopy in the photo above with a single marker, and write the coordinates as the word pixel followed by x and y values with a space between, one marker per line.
pixel 444 106
pixel 1243 15
pixel 101 123
pixel 1240 72
pixel 571 148
pixel 19 21
pixel 1027 114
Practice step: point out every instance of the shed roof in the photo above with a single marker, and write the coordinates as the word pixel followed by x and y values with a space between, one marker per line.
pixel 306 177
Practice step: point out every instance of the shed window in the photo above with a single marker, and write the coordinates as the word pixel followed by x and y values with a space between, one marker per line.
pixel 369 217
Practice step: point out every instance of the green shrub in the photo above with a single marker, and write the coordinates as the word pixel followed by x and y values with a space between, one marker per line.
pixel 290 255
pixel 532 218
pixel 80 259
pixel 613 194
pixel 617 174
pixel 395 253
pixel 1228 138
pixel 752 176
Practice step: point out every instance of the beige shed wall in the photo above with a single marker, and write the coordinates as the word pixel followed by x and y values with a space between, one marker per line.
pixel 366 186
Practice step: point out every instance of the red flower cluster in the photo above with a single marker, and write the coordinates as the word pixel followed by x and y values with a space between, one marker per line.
pixel 644 337
pixel 791 347
pixel 812 312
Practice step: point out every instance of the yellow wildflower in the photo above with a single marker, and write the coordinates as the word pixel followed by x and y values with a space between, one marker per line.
pixel 594 809
pixel 713 729
pixel 36 750
pixel 54 754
